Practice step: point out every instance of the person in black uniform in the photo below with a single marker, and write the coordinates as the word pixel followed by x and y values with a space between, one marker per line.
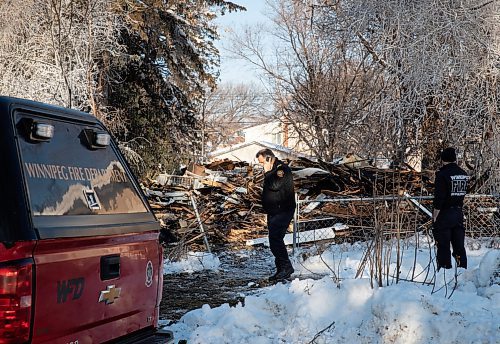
pixel 278 201
pixel 450 190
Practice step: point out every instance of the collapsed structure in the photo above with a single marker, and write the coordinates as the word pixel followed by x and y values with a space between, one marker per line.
pixel 221 201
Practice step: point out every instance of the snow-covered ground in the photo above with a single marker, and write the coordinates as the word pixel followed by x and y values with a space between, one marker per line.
pixel 324 311
pixel 194 261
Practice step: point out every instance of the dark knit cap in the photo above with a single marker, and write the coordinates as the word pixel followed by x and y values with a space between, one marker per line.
pixel 449 155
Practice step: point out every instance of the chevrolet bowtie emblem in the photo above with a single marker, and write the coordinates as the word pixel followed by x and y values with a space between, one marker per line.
pixel 110 294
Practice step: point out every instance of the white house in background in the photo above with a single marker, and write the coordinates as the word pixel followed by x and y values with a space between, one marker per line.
pixel 246 151
pixel 276 132
pixel 275 135
pixel 271 132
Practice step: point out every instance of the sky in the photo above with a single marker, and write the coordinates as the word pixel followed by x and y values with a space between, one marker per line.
pixel 233 70
pixel 323 311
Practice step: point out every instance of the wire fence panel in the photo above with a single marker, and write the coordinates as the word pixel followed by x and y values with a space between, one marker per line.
pixel 399 216
pixel 189 182
pixel 482 216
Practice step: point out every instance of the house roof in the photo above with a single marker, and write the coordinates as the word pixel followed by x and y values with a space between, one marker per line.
pixel 263 144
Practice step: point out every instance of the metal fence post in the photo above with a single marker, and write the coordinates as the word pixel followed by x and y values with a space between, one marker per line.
pixel 295 223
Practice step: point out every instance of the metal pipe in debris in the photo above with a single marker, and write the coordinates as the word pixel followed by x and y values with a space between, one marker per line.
pixel 202 230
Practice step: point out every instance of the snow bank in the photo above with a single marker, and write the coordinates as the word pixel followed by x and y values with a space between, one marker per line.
pixel 353 312
pixel 194 261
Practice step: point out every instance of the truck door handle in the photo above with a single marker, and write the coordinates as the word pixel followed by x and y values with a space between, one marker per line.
pixel 110 267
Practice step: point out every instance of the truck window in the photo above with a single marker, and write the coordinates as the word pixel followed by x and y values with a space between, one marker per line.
pixel 66 177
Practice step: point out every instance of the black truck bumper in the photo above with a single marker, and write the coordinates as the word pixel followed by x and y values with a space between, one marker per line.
pixel 149 337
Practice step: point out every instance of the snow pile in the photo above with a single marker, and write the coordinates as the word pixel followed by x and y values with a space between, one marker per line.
pixel 353 312
pixel 194 261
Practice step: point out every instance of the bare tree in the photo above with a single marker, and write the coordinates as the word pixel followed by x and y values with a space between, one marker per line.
pixel 229 109
pixel 400 79
pixel 323 84
pixel 441 62
pixel 49 49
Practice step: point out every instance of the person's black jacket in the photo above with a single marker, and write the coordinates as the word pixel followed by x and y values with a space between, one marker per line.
pixel 278 194
pixel 450 187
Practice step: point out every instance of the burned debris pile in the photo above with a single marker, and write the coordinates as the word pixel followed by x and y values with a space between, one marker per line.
pixel 221 201
pixel 226 195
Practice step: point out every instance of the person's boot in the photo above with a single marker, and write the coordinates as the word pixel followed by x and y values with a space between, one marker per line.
pixel 285 273
pixel 446 266
pixel 273 277
pixel 278 270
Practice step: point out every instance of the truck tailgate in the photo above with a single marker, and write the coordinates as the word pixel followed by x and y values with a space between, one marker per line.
pixel 94 289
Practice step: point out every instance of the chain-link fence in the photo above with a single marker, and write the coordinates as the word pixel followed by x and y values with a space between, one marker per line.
pixel 350 219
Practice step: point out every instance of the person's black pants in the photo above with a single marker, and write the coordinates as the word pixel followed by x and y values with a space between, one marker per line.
pixel 278 225
pixel 449 227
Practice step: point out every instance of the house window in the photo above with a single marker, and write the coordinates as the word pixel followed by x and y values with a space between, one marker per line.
pixel 277 139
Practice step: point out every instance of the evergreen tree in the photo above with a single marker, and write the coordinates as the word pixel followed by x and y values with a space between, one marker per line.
pixel 170 62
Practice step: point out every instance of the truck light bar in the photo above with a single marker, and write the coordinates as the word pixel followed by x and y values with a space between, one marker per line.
pixel 102 139
pixel 95 139
pixel 43 131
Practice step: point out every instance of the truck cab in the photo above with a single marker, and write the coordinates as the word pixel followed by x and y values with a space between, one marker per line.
pixel 80 259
